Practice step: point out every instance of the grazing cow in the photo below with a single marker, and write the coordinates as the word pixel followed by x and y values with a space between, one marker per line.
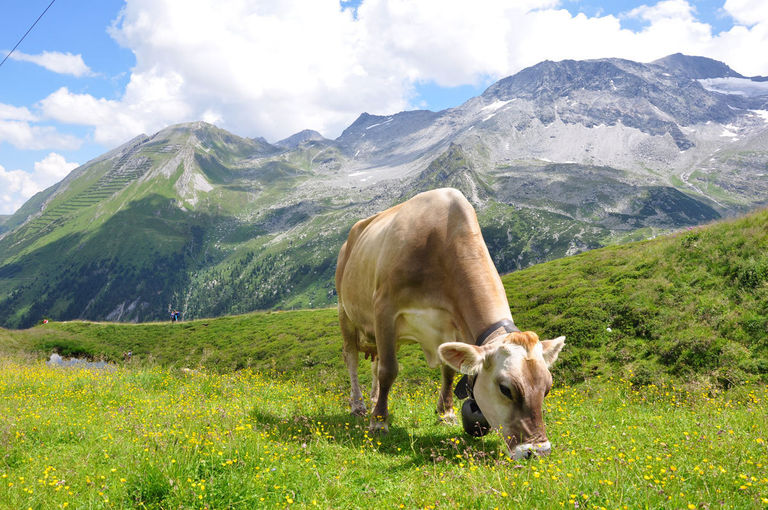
pixel 420 272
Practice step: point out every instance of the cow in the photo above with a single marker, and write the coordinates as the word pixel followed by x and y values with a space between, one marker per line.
pixel 421 272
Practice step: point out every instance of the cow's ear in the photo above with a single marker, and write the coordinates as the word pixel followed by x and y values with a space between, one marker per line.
pixel 464 358
pixel 551 348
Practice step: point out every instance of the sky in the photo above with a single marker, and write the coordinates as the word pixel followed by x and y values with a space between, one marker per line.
pixel 92 74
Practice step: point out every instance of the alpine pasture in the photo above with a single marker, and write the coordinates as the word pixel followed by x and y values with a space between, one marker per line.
pixel 659 400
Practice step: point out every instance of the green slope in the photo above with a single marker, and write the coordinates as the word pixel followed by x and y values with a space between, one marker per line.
pixel 125 236
pixel 690 305
pixel 692 302
pixel 197 219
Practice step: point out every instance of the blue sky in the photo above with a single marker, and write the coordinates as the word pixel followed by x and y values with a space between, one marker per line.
pixel 94 73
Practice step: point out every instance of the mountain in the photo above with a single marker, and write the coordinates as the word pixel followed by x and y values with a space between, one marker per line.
pixel 302 137
pixel 560 158
pixel 695 68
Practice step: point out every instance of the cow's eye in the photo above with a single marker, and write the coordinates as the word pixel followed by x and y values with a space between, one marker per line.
pixel 506 392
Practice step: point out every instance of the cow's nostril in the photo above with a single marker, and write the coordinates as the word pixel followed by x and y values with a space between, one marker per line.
pixel 529 450
pixel 543 449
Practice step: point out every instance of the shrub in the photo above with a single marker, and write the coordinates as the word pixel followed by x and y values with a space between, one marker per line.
pixel 694 351
pixel 643 373
pixel 752 273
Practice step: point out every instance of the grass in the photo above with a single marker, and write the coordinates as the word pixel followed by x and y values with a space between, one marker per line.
pixel 659 400
pixel 303 341
pixel 152 437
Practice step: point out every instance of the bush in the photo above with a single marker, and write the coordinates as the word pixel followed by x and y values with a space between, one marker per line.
pixel 643 373
pixel 695 351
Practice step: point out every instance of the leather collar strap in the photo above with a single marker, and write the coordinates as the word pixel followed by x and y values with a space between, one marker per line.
pixel 507 324
pixel 465 385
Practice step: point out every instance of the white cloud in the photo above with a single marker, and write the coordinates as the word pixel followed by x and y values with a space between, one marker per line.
pixel 114 122
pixel 272 68
pixel 17 186
pixel 52 169
pixel 747 12
pixel 9 112
pixel 62 63
pixel 25 136
pixel 664 11
pixel 18 182
pixel 268 68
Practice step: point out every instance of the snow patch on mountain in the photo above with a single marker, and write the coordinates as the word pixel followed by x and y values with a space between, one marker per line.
pixel 737 86
pixel 379 124
pixel 495 105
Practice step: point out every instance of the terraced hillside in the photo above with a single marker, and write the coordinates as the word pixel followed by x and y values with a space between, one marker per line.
pixel 126 170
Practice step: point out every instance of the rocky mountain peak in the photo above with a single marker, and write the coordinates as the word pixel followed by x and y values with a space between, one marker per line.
pixel 695 68
pixel 295 140
pixel 548 81
pixel 653 98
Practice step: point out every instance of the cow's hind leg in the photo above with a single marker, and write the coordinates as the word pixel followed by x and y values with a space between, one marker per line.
pixel 445 400
pixel 386 369
pixel 350 351
pixel 374 381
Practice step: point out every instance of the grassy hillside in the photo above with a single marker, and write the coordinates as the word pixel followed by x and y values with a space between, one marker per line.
pixel 691 304
pixel 695 302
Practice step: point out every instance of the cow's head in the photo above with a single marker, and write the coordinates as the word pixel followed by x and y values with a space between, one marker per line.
pixel 511 379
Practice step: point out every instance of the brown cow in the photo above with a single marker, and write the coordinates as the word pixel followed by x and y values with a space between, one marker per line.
pixel 420 272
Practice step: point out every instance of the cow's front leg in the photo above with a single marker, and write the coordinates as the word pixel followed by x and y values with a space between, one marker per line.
pixel 351 357
pixel 374 381
pixel 386 372
pixel 445 399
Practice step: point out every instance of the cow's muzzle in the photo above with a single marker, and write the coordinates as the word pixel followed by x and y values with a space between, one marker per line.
pixel 528 450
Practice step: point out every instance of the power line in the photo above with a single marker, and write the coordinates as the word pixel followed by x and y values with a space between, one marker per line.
pixel 27 32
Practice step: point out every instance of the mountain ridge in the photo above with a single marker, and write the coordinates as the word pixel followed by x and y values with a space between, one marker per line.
pixel 560 158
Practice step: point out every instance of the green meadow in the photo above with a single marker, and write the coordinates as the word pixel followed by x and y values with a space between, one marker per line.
pixel 154 437
pixel 659 400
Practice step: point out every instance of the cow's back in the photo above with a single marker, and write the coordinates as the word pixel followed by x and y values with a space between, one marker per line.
pixel 414 255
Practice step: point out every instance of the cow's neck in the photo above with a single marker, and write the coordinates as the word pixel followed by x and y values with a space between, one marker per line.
pixel 481 303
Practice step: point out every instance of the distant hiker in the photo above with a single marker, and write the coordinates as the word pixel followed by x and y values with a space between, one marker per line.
pixel 127 356
pixel 175 316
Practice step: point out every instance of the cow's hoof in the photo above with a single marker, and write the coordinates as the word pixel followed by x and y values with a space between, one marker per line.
pixel 448 418
pixel 358 407
pixel 379 425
